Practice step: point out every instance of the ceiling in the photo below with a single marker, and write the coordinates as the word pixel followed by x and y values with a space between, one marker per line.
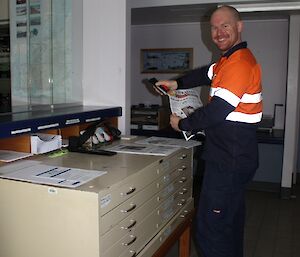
pixel 190 13
pixel 170 14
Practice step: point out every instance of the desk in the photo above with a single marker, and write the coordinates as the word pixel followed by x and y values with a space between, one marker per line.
pixel 269 173
pixel 133 210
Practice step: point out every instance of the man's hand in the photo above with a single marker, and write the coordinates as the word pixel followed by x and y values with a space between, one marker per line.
pixel 170 84
pixel 174 120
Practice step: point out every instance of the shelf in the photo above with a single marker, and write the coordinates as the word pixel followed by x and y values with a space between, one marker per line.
pixel 36 121
pixel 275 137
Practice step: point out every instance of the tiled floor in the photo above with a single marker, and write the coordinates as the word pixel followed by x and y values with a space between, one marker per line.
pixel 272 226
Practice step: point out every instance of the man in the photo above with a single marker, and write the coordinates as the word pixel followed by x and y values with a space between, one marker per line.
pixel 230 121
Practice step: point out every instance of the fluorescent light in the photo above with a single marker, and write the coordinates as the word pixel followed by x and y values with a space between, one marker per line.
pixel 286 6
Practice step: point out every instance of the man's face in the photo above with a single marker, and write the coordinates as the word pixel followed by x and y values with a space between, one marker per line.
pixel 225 29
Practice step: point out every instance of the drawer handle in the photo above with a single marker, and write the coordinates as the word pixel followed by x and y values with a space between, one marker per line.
pixel 184 191
pixel 133 222
pixel 130 209
pixel 182 168
pixel 133 253
pixel 131 241
pixel 182 180
pixel 183 215
pixel 181 203
pixel 182 157
pixel 131 190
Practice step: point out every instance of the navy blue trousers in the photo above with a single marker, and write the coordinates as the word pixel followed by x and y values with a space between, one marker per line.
pixel 221 210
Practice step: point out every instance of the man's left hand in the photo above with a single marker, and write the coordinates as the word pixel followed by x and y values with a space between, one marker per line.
pixel 174 120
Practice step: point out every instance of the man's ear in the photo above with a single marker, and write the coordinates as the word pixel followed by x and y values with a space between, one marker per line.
pixel 240 26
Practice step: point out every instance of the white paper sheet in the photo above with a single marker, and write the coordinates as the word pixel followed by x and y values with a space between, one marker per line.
pixel 54 175
pixel 183 103
pixel 166 141
pixel 134 148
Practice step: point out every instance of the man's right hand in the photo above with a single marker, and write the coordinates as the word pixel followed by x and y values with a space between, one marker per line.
pixel 171 84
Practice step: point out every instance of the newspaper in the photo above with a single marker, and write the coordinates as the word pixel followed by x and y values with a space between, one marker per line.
pixel 166 141
pixel 133 148
pixel 183 102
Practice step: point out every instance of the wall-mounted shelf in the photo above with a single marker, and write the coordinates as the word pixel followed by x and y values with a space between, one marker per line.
pixel 35 121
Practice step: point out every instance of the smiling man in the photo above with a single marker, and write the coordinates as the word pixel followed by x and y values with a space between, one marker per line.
pixel 226 28
pixel 230 121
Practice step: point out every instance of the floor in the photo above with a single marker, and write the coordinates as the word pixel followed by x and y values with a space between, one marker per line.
pixel 272 226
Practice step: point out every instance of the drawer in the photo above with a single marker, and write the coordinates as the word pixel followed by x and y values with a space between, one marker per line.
pixel 115 195
pixel 158 240
pixel 129 253
pixel 139 234
pixel 184 158
pixel 173 204
pixel 132 220
pixel 109 220
pixel 136 238
pixel 112 197
pixel 181 170
pixel 145 232
pixel 171 226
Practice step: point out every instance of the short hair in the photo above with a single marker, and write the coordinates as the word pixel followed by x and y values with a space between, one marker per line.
pixel 231 9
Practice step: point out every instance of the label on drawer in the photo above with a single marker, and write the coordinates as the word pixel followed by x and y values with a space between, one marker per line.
pixel 105 200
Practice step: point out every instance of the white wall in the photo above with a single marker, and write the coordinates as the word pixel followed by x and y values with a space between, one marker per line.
pixel 4 10
pixel 270 51
pixel 153 3
pixel 269 42
pixel 162 36
pixel 291 135
pixel 104 55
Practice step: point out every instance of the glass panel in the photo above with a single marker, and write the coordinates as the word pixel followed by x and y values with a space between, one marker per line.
pixel 39 80
pixel 19 51
pixel 42 67
pixel 5 94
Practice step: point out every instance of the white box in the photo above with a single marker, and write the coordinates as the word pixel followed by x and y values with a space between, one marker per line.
pixel 43 143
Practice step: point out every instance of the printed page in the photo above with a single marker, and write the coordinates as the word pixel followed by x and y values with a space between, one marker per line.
pixel 133 148
pixel 183 103
pixel 169 141
pixel 54 175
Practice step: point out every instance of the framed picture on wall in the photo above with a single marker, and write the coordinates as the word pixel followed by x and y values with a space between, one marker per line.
pixel 166 60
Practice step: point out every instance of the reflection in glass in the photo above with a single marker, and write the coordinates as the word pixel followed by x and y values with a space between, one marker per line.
pixel 5 94
pixel 41 53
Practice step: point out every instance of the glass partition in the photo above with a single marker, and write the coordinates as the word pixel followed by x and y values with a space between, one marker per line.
pixel 42 52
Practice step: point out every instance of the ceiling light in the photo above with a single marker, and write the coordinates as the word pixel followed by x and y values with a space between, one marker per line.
pixel 286 6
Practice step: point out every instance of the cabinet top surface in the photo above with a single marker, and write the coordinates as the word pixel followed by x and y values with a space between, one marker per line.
pixel 120 168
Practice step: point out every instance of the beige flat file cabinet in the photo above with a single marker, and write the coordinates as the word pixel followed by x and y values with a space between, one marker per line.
pixel 127 212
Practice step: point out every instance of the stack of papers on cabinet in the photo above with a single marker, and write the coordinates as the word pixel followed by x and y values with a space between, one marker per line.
pixel 51 175
pixel 166 141
pixel 147 149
